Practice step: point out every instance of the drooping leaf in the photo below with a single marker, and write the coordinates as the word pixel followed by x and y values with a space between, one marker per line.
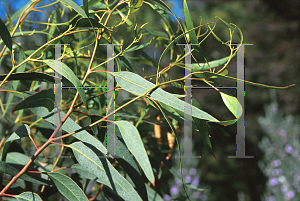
pixel 68 74
pixel 53 27
pixel 212 64
pixel 135 145
pixel 203 129
pixel 43 98
pixel 153 195
pixel 22 159
pixel 192 34
pixel 137 85
pixel 88 22
pixel 67 187
pixel 85 4
pixel 43 77
pixel 26 196
pixel 14 169
pixel 232 104
pixel 11 26
pixel 15 83
pixel 69 126
pixel 135 178
pixel 157 33
pixel 5 35
pixel 22 131
pixel 18 13
pixel 231 27
pixel 73 5
pixel 95 163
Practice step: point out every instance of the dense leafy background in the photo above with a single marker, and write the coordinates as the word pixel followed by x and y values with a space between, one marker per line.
pixel 273 28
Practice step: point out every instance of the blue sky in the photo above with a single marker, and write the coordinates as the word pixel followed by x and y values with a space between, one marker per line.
pixel 176 6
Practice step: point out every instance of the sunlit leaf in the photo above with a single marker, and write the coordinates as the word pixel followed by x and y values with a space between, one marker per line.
pixel 232 104
pixel 73 5
pixel 192 34
pixel 69 74
pixel 137 85
pixel 43 77
pixel 95 163
pixel 135 145
pixel 212 64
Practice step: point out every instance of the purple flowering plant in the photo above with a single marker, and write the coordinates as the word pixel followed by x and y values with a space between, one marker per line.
pixel 281 145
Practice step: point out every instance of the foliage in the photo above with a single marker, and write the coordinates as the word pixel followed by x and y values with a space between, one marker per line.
pixel 130 174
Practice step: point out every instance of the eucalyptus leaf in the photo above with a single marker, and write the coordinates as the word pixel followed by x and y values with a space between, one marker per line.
pixel 137 85
pixel 135 145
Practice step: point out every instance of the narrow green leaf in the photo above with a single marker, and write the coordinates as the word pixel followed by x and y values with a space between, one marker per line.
pixel 231 27
pixel 22 159
pixel 157 33
pixel 67 187
pixel 134 178
pixel 20 11
pixel 26 196
pixel 75 7
pixel 5 35
pixel 142 116
pixel 153 195
pixel 11 26
pixel 69 126
pixel 43 98
pixel 88 22
pixel 43 77
pixel 22 131
pixel 95 163
pixel 122 151
pixel 165 16
pixel 22 57
pixel 135 145
pixel 137 47
pixel 137 85
pixel 128 22
pixel 137 5
pixel 85 4
pixel 212 64
pixel 232 104
pixel 69 74
pixel 203 129
pixel 53 27
pixel 192 34
pixel 14 169
pixel 85 174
